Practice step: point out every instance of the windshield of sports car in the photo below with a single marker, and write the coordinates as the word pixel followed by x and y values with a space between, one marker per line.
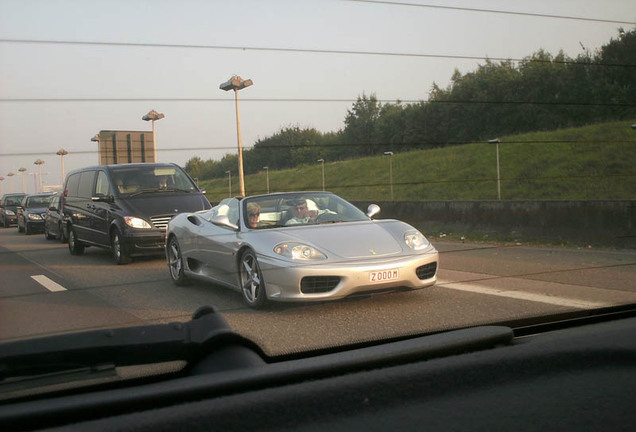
pixel 280 210
pixel 323 173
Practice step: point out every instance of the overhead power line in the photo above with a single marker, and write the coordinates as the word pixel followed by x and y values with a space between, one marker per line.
pixel 297 50
pixel 495 11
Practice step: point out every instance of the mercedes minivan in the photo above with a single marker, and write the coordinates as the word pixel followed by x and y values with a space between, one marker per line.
pixel 126 207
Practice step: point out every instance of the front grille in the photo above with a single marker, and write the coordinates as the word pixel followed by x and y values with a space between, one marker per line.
pixel 426 271
pixel 318 284
pixel 161 222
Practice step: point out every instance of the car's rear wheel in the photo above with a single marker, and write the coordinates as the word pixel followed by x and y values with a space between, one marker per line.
pixel 175 263
pixel 251 280
pixel 74 245
pixel 120 254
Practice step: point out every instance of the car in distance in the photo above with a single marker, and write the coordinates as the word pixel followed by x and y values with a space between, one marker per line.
pixel 54 225
pixel 31 212
pixel 8 208
pixel 126 207
pixel 303 246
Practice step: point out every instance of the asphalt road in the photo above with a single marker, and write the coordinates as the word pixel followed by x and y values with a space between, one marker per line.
pixel 43 289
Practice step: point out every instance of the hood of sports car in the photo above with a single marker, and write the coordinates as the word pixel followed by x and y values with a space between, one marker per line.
pixel 349 240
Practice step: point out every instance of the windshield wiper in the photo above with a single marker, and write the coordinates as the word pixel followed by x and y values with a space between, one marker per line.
pixel 100 351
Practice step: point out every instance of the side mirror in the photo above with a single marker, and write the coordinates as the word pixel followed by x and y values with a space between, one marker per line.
pixel 373 210
pixel 224 221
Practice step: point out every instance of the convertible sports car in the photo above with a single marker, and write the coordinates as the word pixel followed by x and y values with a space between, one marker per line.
pixel 301 246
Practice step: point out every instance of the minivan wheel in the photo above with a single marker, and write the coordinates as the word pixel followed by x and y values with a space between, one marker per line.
pixel 74 245
pixel 175 263
pixel 120 254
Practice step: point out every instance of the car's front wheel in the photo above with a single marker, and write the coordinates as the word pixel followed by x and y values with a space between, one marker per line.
pixel 175 263
pixel 74 245
pixel 120 254
pixel 251 280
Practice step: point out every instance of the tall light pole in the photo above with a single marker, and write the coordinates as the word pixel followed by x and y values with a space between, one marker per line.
pixel 266 168
pixel 23 170
pixel 62 153
pixel 153 116
pixel 1 185
pixel 10 175
pixel 322 163
pixel 39 163
pixel 237 83
pixel 96 139
pixel 229 180
pixel 497 141
pixel 390 155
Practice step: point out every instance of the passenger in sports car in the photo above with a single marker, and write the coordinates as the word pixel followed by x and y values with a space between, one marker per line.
pixel 302 214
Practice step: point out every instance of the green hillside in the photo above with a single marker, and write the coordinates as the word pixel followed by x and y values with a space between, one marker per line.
pixel 588 163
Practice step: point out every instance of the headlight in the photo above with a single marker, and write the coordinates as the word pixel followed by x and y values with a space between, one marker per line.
pixel 415 240
pixel 34 216
pixel 136 222
pixel 9 212
pixel 299 251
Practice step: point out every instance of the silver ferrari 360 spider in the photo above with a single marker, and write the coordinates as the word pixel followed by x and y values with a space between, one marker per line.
pixel 302 246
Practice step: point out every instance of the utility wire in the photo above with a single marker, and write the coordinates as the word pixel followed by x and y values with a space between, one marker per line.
pixel 494 11
pixel 297 50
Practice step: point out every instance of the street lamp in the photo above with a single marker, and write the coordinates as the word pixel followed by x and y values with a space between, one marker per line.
pixel 23 170
pixel 153 116
pixel 267 177
pixel 10 175
pixel 237 83
pixel 96 139
pixel 229 180
pixel 497 141
pixel 322 162
pixel 39 163
pixel 1 185
pixel 390 155
pixel 62 153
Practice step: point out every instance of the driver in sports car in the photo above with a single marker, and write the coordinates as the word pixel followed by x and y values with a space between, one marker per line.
pixel 302 214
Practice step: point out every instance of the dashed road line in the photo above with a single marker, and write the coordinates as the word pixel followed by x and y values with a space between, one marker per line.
pixel 48 283
pixel 522 295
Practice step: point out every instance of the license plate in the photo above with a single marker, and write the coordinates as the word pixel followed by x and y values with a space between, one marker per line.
pixel 383 275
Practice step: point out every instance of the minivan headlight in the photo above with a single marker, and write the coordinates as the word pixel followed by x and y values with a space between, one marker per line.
pixel 9 212
pixel 136 222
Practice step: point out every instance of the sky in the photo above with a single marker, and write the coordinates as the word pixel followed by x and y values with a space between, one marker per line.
pixel 71 68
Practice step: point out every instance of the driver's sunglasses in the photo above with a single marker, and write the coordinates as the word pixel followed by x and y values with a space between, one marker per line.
pixel 254 214
pixel 301 207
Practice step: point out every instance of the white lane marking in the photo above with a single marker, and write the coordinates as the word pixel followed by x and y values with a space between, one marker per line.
pixel 522 295
pixel 48 283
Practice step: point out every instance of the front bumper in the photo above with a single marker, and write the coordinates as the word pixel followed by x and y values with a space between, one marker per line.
pixel 284 280
pixel 144 242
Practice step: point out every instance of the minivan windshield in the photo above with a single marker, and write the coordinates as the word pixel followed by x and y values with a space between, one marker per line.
pixel 137 179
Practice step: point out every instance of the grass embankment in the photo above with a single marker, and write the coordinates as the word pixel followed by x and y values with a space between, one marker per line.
pixel 594 162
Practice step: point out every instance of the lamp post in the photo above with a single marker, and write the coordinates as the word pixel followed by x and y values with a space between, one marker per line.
pixel 390 155
pixel 23 170
pixel 153 116
pixel 10 175
pixel 1 185
pixel 96 139
pixel 39 163
pixel 237 83
pixel 497 141
pixel 322 163
pixel 229 180
pixel 266 168
pixel 62 153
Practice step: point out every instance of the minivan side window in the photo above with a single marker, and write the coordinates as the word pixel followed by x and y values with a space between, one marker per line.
pixel 102 187
pixel 72 185
pixel 86 184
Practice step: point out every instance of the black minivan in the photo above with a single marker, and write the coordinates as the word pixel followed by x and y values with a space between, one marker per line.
pixel 126 207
